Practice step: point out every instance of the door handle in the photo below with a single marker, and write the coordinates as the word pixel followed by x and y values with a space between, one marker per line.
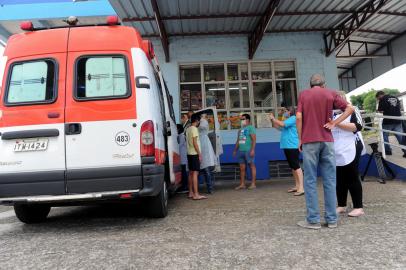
pixel 73 129
pixel 28 134
pixel 53 115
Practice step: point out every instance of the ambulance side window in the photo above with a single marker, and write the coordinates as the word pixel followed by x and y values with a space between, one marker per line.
pixel 102 77
pixel 170 102
pixel 31 82
pixel 161 98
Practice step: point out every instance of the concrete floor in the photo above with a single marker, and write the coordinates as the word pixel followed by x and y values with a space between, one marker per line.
pixel 231 230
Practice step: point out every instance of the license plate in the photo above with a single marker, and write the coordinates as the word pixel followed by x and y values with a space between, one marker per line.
pixel 31 145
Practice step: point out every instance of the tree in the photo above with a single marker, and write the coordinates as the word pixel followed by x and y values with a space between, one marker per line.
pixel 369 103
pixel 358 100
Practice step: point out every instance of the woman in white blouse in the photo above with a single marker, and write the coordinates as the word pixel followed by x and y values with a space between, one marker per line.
pixel 348 146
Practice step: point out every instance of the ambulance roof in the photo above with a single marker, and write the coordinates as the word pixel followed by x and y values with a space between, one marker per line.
pixel 89 38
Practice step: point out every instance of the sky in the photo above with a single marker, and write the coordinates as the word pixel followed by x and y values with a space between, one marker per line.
pixel 15 2
pixel 393 79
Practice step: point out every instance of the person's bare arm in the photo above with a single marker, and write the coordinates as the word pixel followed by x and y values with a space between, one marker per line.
pixel 332 123
pixel 277 123
pixel 253 144
pixel 237 143
pixel 348 126
pixel 196 146
pixel 299 122
pixel 355 123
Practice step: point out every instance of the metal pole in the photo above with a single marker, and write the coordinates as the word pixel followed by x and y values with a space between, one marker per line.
pixel 382 142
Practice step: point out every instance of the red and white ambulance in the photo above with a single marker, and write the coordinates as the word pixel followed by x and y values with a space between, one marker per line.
pixel 85 115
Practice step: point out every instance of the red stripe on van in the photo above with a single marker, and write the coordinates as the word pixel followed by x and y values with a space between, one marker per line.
pixel 39 114
pixel 176 159
pixel 160 156
pixel 99 110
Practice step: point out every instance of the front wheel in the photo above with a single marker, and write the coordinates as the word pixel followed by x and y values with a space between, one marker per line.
pixel 157 206
pixel 31 213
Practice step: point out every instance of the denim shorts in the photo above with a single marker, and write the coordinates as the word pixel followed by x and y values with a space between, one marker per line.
pixel 244 157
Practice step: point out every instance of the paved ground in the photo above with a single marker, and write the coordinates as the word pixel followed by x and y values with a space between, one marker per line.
pixel 231 230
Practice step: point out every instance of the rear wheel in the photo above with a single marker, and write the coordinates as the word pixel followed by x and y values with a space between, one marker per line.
pixel 157 206
pixel 31 213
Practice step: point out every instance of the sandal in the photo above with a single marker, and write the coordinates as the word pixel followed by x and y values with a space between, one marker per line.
pixel 240 187
pixel 300 193
pixel 292 190
pixel 199 198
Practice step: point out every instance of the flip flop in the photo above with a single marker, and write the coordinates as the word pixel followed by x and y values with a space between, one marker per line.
pixel 298 193
pixel 252 187
pixel 240 187
pixel 292 190
pixel 199 198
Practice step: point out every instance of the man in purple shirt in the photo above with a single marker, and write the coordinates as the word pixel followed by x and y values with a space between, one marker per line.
pixel 314 124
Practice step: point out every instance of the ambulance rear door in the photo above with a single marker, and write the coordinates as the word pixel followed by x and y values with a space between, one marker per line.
pixel 175 172
pixel 32 143
pixel 102 130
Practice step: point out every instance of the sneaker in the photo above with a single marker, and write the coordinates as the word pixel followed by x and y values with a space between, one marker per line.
pixel 332 225
pixel 357 212
pixel 307 225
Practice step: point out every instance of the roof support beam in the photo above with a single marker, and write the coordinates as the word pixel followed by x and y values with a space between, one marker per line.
pixel 253 14
pixel 161 29
pixel 256 36
pixel 354 46
pixel 225 33
pixel 4 35
pixel 338 36
pixel 362 56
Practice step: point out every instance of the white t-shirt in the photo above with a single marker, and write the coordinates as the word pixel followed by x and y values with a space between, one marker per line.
pixel 344 144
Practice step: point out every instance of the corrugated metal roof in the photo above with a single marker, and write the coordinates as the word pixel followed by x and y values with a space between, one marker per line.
pixel 191 17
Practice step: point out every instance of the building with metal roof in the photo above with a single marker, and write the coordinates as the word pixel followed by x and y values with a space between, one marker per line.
pixel 379 22
pixel 246 56
pixel 383 22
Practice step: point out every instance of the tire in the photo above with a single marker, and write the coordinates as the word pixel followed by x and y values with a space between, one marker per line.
pixel 31 213
pixel 157 206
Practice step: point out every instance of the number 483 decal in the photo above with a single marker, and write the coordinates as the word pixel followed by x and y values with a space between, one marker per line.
pixel 122 138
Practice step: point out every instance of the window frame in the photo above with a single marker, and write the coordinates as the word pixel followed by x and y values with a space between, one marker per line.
pixel 160 97
pixel 102 98
pixel 170 102
pixel 29 103
pixel 250 81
